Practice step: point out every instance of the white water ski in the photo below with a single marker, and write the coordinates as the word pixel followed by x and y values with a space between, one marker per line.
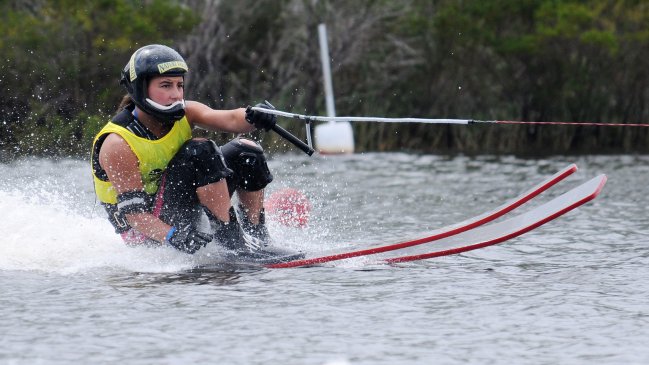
pixel 441 233
pixel 502 231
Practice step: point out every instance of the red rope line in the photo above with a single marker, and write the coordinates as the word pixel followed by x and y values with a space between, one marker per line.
pixel 574 123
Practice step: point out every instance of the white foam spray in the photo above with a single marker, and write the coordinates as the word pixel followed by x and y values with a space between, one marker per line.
pixel 42 233
pixel 48 236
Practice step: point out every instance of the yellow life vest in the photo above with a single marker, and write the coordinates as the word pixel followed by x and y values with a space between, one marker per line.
pixel 153 156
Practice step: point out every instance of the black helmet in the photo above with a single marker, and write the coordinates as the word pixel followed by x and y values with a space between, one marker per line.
pixel 146 62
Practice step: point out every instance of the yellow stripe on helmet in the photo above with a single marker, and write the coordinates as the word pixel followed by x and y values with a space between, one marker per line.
pixel 131 68
pixel 166 66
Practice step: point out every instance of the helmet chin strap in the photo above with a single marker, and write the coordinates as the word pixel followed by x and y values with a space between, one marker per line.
pixel 166 107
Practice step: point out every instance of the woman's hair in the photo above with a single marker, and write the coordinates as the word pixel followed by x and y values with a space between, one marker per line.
pixel 126 101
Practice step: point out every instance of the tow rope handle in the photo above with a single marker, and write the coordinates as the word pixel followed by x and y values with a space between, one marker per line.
pixel 307 148
pixel 296 141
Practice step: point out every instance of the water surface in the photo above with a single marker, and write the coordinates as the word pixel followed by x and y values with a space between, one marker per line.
pixel 571 292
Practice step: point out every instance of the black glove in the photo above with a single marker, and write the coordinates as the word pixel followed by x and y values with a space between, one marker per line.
pixel 187 239
pixel 261 120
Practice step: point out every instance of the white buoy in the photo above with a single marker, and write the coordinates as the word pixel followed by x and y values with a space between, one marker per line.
pixel 333 137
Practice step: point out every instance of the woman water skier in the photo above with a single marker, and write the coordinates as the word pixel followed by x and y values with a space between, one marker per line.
pixel 156 181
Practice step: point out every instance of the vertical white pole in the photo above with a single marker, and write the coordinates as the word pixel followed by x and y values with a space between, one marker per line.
pixel 333 137
pixel 326 70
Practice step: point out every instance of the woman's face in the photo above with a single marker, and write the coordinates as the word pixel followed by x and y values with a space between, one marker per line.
pixel 166 90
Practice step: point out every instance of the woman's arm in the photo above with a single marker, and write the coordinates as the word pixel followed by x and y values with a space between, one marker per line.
pixel 122 167
pixel 233 121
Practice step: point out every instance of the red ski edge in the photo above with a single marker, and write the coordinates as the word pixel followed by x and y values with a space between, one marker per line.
pixel 442 232
pixel 508 236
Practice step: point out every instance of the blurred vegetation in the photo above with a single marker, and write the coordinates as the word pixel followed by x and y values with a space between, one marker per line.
pixel 530 60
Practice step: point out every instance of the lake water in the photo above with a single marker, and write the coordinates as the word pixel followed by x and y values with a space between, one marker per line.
pixel 574 291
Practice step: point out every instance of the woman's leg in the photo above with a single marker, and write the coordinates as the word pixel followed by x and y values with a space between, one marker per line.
pixel 251 175
pixel 216 198
pixel 252 204
pixel 195 178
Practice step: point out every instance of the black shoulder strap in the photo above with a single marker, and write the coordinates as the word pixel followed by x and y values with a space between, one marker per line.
pixel 124 117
